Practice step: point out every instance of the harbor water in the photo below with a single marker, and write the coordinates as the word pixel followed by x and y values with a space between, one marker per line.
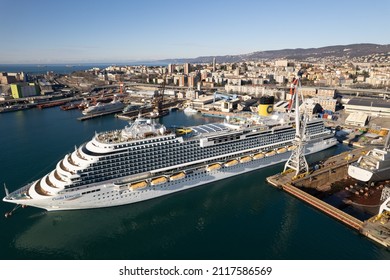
pixel 63 68
pixel 236 218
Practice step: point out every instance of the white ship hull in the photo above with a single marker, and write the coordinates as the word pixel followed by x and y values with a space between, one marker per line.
pixel 190 111
pixel 372 167
pixel 104 108
pixel 365 175
pixel 113 195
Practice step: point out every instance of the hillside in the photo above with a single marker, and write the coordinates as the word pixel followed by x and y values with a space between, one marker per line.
pixel 340 51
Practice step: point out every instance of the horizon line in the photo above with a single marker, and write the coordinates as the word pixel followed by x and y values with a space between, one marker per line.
pixel 165 60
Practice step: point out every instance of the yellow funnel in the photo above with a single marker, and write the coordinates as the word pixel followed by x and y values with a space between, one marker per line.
pixel 266 105
pixel 265 109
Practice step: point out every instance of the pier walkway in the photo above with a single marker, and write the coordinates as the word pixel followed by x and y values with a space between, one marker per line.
pixel 324 207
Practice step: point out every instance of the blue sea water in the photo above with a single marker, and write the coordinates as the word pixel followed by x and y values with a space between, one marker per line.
pixel 238 218
pixel 64 68
pixel 42 69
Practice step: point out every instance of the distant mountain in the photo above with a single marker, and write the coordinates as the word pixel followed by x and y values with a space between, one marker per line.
pixel 346 51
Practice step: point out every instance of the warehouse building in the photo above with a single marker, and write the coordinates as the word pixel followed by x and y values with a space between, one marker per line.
pixel 370 106
pixel 21 90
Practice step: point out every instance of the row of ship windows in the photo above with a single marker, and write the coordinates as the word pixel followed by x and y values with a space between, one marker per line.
pixel 173 150
pixel 120 173
pixel 143 142
pixel 116 173
pixel 172 159
pixel 157 146
pixel 92 191
pixel 113 172
pixel 168 159
pixel 150 143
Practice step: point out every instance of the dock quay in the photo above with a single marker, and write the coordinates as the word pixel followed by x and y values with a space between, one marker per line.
pixel 54 103
pixel 310 188
pixel 324 207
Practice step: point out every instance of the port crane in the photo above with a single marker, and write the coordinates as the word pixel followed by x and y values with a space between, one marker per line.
pixel 297 160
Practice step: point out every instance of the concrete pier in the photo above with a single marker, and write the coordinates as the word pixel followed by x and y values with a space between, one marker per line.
pixel 324 207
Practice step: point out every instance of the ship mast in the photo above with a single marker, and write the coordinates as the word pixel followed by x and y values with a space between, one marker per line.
pixel 297 160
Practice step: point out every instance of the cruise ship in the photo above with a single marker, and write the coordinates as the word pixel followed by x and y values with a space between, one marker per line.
pixel 190 110
pixel 113 106
pixel 146 160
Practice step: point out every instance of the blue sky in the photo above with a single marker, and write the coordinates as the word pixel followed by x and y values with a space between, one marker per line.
pixel 73 31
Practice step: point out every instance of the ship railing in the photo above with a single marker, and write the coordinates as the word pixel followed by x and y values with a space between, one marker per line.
pixel 40 190
pixel 79 155
pixel 21 193
pixel 72 189
pixel 58 177
pixel 63 167
pixel 377 156
pixel 71 161
pixel 111 136
pixel 49 183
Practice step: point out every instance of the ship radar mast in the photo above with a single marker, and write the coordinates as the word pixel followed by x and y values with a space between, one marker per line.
pixel 297 160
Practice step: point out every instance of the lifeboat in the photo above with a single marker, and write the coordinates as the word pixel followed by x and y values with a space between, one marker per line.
pixel 270 154
pixel 245 159
pixel 281 150
pixel 258 156
pixel 231 163
pixel 159 180
pixel 177 176
pixel 212 167
pixel 138 185
pixel 291 148
pixel 182 131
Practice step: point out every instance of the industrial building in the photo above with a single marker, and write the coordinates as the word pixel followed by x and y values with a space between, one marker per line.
pixel 370 106
pixel 202 100
pixel 357 119
pixel 21 90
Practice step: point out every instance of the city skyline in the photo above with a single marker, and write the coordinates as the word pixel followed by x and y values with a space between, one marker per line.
pixel 120 31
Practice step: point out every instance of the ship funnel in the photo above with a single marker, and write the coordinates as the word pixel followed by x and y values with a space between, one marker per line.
pixel 266 105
